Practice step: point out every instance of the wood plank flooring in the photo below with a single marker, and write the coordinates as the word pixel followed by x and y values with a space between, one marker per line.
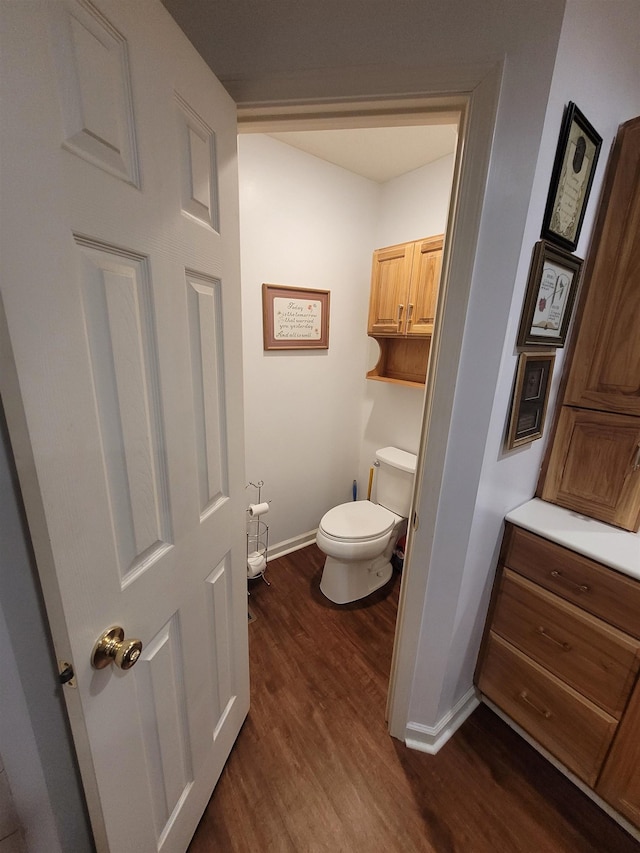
pixel 314 768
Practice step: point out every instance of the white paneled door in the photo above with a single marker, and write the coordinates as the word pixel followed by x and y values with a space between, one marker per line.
pixel 122 383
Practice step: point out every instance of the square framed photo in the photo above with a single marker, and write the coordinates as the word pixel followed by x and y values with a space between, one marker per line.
pixel 294 317
pixel 571 179
pixel 553 281
pixel 530 397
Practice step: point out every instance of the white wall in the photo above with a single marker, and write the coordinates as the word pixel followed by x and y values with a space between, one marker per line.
pixel 312 420
pixel 597 67
pixel 415 205
pixel 303 223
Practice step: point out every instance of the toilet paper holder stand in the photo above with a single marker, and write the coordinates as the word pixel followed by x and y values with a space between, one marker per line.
pixel 257 536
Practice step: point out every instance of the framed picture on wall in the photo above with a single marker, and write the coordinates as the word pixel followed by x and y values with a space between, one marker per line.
pixel 530 397
pixel 551 291
pixel 294 317
pixel 571 179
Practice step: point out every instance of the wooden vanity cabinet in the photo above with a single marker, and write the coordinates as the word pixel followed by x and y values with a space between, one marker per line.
pixel 402 304
pixel 560 656
pixel 619 783
pixel 594 458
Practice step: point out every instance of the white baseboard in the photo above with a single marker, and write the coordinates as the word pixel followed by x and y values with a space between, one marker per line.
pixel 287 546
pixel 432 738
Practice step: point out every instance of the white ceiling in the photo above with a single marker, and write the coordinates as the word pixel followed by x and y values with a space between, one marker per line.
pixel 377 153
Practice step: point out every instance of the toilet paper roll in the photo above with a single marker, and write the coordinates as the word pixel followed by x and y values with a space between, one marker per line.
pixel 256 564
pixel 258 509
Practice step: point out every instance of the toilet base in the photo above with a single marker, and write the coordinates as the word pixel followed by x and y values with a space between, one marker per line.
pixel 345 581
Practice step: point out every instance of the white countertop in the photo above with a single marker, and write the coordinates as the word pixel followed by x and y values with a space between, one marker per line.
pixel 616 548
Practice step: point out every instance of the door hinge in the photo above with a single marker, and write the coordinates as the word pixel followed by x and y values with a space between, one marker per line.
pixel 415 521
pixel 66 673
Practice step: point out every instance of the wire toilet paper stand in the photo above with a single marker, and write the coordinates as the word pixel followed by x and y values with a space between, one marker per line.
pixel 257 536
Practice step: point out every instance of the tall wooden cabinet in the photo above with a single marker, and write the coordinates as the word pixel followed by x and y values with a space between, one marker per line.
pixel 404 291
pixel 594 463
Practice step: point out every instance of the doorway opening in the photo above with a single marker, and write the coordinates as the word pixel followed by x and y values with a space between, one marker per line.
pixel 370 144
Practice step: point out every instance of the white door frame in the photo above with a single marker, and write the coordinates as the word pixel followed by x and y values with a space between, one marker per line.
pixel 360 97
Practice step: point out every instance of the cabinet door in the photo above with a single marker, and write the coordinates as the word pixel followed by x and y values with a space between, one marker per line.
pixel 594 466
pixel 605 370
pixel 389 289
pixel 423 290
pixel 619 783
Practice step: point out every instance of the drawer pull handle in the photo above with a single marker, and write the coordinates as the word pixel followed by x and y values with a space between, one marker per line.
pixel 400 309
pixel 543 633
pixel 543 711
pixel 579 587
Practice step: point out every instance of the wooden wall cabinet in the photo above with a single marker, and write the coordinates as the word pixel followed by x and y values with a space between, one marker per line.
pixel 561 655
pixel 594 461
pixel 404 292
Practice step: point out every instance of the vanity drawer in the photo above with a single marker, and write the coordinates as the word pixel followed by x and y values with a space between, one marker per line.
pixel 592 657
pixel 569 726
pixel 600 590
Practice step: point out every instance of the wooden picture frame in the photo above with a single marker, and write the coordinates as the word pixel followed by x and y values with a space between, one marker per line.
pixel 573 170
pixel 294 317
pixel 530 397
pixel 554 276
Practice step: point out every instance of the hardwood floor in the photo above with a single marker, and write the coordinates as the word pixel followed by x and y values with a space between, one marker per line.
pixel 314 768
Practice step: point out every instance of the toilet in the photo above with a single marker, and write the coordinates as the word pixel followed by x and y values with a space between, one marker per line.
pixel 359 537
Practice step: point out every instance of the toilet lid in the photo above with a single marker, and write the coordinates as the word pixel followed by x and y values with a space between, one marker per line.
pixel 358 520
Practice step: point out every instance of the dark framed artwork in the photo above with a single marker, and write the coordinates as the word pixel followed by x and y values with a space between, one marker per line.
pixel 294 317
pixel 553 281
pixel 530 397
pixel 571 179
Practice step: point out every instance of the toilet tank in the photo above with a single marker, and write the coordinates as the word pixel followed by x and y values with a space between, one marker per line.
pixel 394 479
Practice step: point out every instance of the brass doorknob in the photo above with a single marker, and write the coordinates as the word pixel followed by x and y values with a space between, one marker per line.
pixel 112 648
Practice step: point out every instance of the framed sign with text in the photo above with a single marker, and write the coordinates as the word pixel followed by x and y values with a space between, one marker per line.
pixel 571 179
pixel 551 291
pixel 294 317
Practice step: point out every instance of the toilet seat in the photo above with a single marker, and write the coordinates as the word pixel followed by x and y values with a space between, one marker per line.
pixel 358 521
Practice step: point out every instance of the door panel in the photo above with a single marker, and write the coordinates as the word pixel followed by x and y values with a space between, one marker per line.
pixel 425 282
pixel 198 165
pixel 605 369
pixel 122 384
pixel 594 466
pixel 389 282
pixel 92 65
pixel 207 360
pixel 117 298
